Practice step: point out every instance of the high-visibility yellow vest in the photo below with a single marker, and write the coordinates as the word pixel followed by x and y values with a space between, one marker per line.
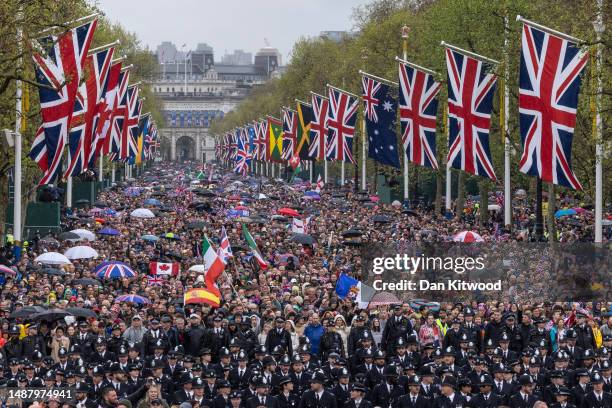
pixel 442 326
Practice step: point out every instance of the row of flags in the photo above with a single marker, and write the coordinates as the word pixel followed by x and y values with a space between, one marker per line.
pixel 324 129
pixel 87 105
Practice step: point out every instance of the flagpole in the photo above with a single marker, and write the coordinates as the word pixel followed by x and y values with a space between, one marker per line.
pixel 69 192
pixel 405 31
pixel 325 170
pixel 507 147
pixel 17 138
pixel 599 27
pixel 342 175
pixel 101 170
pixel 364 160
pixel 113 173
pixel 448 167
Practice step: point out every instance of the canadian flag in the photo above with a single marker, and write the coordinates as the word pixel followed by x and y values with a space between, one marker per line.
pixel 164 268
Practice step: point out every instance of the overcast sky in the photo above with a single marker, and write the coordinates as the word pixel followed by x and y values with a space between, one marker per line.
pixel 230 24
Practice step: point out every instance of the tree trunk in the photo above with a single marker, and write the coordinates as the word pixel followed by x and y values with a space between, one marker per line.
pixel 484 202
pixel 439 191
pixel 550 216
pixel 460 194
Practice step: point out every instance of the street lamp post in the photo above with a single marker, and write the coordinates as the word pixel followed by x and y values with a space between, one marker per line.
pixel 599 27
pixel 405 32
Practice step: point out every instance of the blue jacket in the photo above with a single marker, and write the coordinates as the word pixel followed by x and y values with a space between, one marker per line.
pixel 314 334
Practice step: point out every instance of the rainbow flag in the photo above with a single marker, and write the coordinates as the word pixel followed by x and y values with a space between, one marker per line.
pixel 201 295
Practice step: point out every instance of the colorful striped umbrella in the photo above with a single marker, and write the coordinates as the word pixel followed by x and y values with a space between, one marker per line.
pixel 114 270
pixel 7 271
pixel 468 236
pixel 141 300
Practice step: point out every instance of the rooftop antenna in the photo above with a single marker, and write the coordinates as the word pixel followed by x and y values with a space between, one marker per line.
pixel 266 42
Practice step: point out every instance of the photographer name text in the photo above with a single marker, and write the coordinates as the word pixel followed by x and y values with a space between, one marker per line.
pixel 449 285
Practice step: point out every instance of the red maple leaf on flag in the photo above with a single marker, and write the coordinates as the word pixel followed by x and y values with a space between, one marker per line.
pixel 164 267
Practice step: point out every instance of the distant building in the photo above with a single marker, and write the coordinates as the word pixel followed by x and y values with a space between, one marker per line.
pixel 195 91
pixel 238 57
pixel 335 36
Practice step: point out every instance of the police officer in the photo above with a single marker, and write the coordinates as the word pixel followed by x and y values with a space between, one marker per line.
pixel 387 392
pixel 286 397
pixel 318 396
pixel 262 397
pixel 397 326
pixel 414 398
pixel 562 398
pixel 358 392
pixel 486 398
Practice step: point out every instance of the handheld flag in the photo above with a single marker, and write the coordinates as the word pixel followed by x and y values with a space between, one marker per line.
pixel 213 265
pixel 201 296
pixel 253 246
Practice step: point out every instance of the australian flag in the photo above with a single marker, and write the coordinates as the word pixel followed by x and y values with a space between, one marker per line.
pixel 380 109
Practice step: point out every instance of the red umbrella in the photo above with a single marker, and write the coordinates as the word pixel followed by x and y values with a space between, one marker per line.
pixel 467 236
pixel 240 207
pixel 234 198
pixel 288 212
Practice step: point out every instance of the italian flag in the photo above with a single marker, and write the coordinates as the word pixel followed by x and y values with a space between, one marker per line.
pixel 253 245
pixel 213 266
pixel 201 295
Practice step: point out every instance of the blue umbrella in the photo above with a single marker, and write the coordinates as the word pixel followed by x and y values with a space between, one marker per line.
pixel 563 213
pixel 110 211
pixel 141 300
pixel 152 201
pixel 150 238
pixel 114 270
pixel 311 193
pixel 108 231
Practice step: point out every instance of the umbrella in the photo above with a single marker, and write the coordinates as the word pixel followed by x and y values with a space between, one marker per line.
pixel 26 312
pixel 85 234
pixel 278 218
pixel 410 213
pixel 95 211
pixel 416 304
pixel 82 201
pixel 374 199
pixel 289 212
pixel 369 204
pixel 606 222
pixel 303 239
pixel 53 271
pixel 132 191
pixel 196 225
pixel 311 193
pixel 468 236
pixel 86 282
pixel 50 315
pixel 109 231
pixel 141 300
pixel 152 201
pixel 205 193
pixel 69 236
pixel 49 240
pixel 171 235
pixel 101 204
pixel 261 196
pixel 81 312
pixel 6 270
pixel 338 195
pixel 81 252
pixel 579 210
pixel 151 238
pixel 352 243
pixel 199 268
pixel 142 213
pixel 238 248
pixel 52 258
pixel 258 219
pixel 520 193
pixel 494 207
pixel 381 219
pixel 114 270
pixel 565 212
pixel 351 233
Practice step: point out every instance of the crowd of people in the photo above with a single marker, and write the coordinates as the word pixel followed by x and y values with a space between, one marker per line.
pixel 282 336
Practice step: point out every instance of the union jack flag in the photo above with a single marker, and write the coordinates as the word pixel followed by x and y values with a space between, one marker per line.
pixel 60 69
pixel 370 88
pixel 255 140
pixel 136 130
pixel 234 144
pixel 120 114
pixel 155 280
pixel 341 125
pixel 225 249
pixel 318 127
pixel 128 145
pixel 289 133
pixel 82 141
pixel 107 108
pixel 261 131
pixel 243 159
pixel 470 100
pixel 548 97
pixel 418 104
